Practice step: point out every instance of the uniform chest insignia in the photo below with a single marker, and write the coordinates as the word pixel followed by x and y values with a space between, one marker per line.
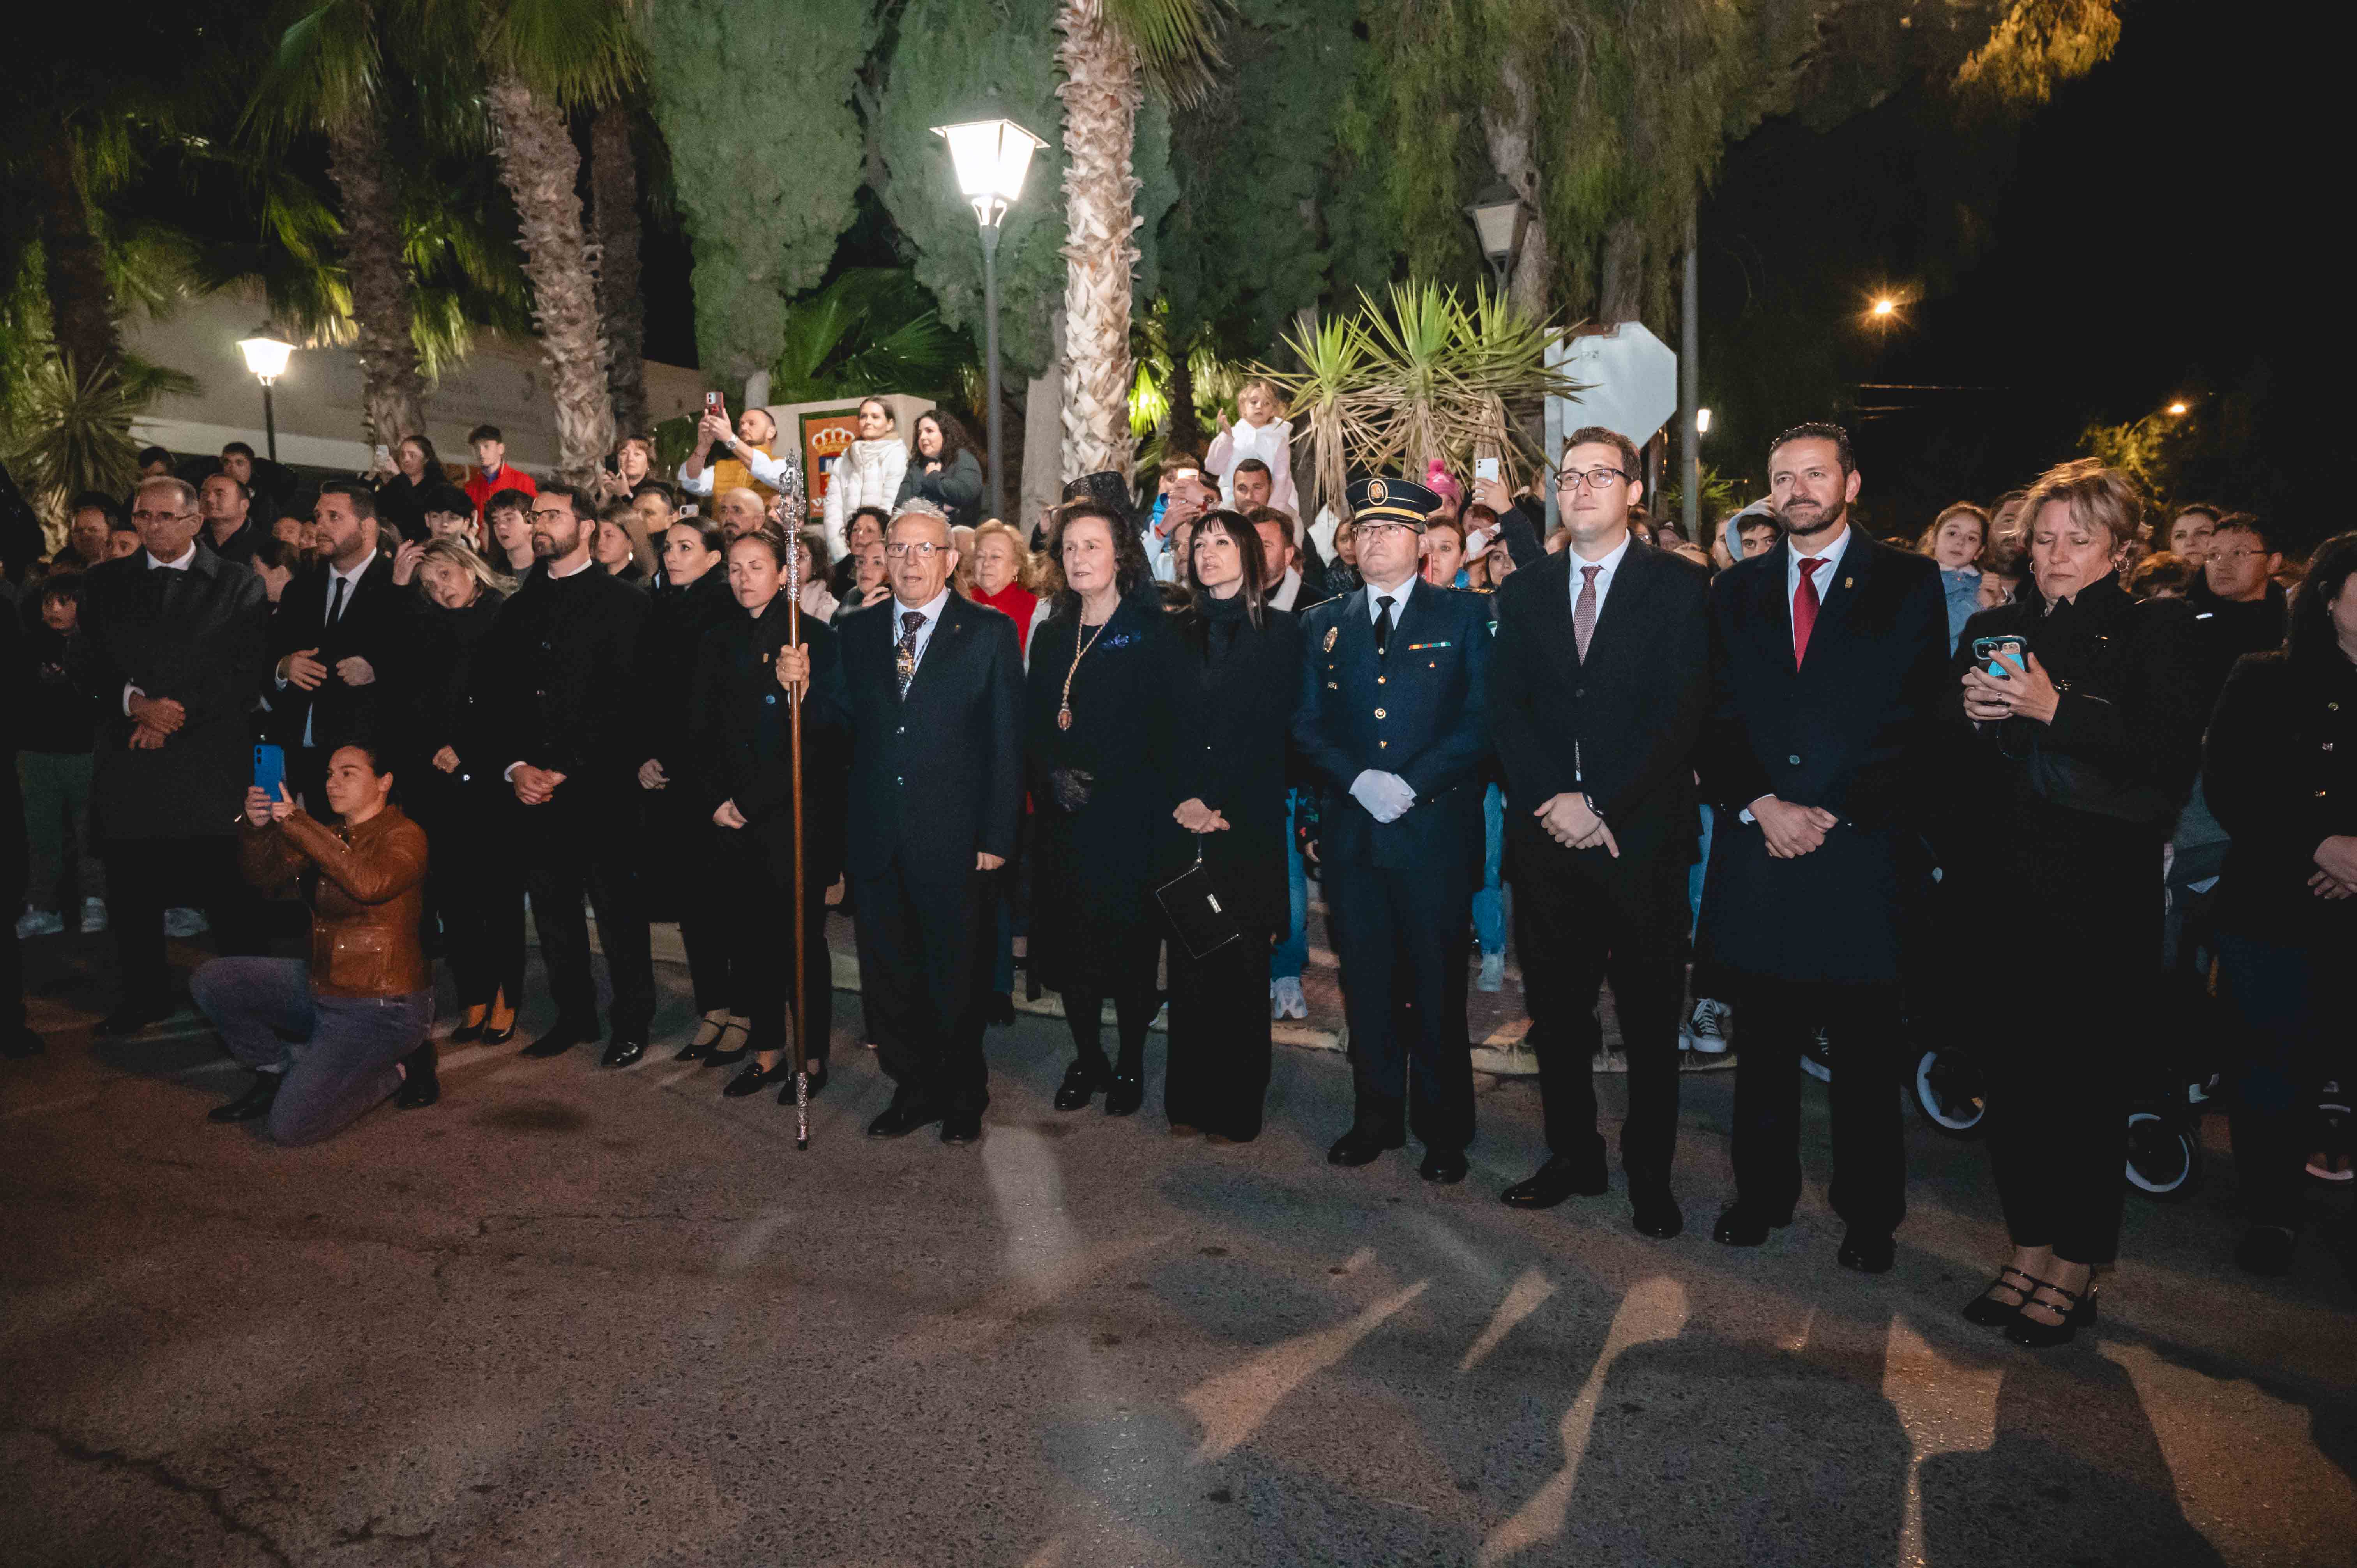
pixel 1331 632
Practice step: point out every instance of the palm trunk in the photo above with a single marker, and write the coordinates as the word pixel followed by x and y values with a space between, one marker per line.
pixel 81 303
pixel 541 169
pixel 614 192
pixel 393 393
pixel 1512 133
pixel 1100 96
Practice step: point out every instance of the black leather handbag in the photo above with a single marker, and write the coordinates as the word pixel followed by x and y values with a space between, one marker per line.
pixel 1193 905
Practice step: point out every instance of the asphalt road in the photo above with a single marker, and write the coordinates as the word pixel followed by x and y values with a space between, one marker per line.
pixel 577 1317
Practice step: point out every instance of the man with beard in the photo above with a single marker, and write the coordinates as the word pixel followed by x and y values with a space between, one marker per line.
pixel 560 685
pixel 1828 666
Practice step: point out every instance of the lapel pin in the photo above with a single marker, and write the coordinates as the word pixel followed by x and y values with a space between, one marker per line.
pixel 1331 633
pixel 1847 580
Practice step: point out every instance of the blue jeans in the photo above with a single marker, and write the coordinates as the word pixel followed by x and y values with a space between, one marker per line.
pixel 1694 877
pixel 1292 954
pixel 1490 899
pixel 338 1052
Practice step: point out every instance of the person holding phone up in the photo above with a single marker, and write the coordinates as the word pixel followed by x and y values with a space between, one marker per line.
pixel 2077 730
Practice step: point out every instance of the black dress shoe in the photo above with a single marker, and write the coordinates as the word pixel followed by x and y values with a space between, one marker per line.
pixel 131 1017
pixel 1557 1180
pixel 624 1050
pixel 419 1086
pixel 1124 1094
pixel 1362 1145
pixel 962 1127
pixel 757 1077
pixel 1443 1167
pixel 1740 1226
pixel 817 1082
pixel 999 1011
pixel 911 1109
pixel 1866 1252
pixel 2264 1250
pixel 1082 1081
pixel 255 1101
pixel 1654 1212
pixel 466 1034
pixel 559 1040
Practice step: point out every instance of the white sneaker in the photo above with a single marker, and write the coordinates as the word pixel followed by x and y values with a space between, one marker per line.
pixel 1817 1056
pixel 1493 973
pixel 181 922
pixel 39 923
pixel 1290 1002
pixel 1705 1029
pixel 93 916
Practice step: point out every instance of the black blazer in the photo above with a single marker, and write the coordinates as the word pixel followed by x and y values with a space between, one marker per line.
pixel 669 647
pixel 197 636
pixel 1853 731
pixel 557 682
pixel 937 779
pixel 1233 692
pixel 1421 712
pixel 376 625
pixel 2280 774
pixel 439 687
pixel 1626 723
pixel 741 734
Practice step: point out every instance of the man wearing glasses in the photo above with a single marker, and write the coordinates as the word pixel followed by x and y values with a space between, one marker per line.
pixel 1394 720
pixel 935 690
pixel 2238 606
pixel 1598 695
pixel 177 641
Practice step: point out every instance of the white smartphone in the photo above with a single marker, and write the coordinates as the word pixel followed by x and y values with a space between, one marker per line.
pixel 384 454
pixel 1485 467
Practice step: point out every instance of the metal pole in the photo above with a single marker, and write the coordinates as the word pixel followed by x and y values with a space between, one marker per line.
pixel 990 357
pixel 1690 380
pixel 269 423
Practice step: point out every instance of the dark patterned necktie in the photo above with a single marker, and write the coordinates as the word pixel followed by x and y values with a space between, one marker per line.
pixel 1583 612
pixel 904 655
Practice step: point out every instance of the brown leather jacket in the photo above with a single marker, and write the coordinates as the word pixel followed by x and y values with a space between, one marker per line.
pixel 366 886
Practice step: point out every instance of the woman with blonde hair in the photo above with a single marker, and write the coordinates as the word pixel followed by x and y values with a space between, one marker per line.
pixel 867 474
pixel 1005 577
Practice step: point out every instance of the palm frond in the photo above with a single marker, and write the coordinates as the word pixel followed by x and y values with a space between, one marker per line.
pixel 329 64
pixel 582 54
pixel 1176 43
pixel 79 430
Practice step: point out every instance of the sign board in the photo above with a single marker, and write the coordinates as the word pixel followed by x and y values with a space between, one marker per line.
pixel 825 429
pixel 1631 378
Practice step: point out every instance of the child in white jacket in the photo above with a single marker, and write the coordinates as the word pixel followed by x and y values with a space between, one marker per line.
pixel 868 472
pixel 1257 433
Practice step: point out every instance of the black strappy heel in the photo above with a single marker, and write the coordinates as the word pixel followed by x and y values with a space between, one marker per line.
pixel 1988 1311
pixel 2080 1313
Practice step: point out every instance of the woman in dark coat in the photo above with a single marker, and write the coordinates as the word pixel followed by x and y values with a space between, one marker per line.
pixel 451 786
pixel 695 600
pixel 1097 740
pixel 2073 764
pixel 401 494
pixel 1236 677
pixel 743 742
pixel 943 469
pixel 2280 775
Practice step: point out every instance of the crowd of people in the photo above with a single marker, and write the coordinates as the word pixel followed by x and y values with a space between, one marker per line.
pixel 1781 780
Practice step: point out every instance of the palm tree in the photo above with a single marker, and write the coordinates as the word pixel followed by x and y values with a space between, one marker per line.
pixel 614 206
pixel 1111 51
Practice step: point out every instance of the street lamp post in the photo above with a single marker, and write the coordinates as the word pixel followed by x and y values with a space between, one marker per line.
pixel 266 354
pixel 991 157
pixel 1498 218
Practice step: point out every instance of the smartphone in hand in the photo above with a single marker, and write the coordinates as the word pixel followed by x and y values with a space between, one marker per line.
pixel 1485 467
pixel 1987 648
pixel 269 769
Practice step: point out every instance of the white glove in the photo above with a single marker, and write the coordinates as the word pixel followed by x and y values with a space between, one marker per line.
pixel 1386 796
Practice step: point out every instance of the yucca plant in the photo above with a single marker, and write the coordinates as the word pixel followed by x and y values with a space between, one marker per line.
pixel 1330 402
pixel 76 426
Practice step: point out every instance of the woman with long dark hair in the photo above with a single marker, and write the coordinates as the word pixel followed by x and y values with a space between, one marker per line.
pixel 1235 679
pixel 943 468
pixel 744 746
pixel 1097 733
pixel 2078 719
pixel 401 493
pixel 2280 775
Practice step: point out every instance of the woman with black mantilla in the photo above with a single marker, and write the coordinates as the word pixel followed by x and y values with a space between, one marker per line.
pixel 1235 676
pixel 743 742
pixel 1097 741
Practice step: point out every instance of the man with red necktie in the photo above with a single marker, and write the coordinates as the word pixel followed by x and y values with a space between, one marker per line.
pixel 1828 654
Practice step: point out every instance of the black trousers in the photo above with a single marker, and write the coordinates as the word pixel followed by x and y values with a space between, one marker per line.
pixel 574 850
pixel 2291 1033
pixel 1130 969
pixel 753 916
pixel 1216 1078
pixel 476 888
pixel 1774 1019
pixel 1582 916
pixel 924 953
pixel 2057 1110
pixel 1400 936
pixel 146 877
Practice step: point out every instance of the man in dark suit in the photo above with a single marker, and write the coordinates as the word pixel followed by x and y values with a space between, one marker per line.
pixel 935 688
pixel 1597 694
pixel 558 679
pixel 176 638
pixel 1829 657
pixel 1394 721
pixel 335 641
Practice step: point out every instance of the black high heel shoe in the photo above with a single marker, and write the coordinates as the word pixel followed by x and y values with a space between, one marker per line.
pixel 1988 1311
pixel 2032 1335
pixel 718 1056
pixel 492 1037
pixel 467 1033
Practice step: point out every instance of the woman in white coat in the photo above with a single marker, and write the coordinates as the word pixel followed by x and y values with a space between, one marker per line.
pixel 867 473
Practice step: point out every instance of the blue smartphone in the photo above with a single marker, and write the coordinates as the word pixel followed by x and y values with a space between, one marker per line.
pixel 1989 647
pixel 269 769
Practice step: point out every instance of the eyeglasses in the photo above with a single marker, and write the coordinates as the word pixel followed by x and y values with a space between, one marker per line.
pixel 1364 532
pixel 159 516
pixel 923 550
pixel 1570 480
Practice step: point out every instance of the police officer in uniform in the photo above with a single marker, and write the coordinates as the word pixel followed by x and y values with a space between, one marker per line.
pixel 1392 719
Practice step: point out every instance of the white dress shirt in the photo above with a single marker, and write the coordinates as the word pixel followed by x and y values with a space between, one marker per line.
pixel 1287 589
pixel 1830 554
pixel 1610 568
pixel 1398 597
pixel 931 610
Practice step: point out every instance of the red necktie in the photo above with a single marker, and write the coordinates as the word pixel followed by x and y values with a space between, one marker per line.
pixel 1805 608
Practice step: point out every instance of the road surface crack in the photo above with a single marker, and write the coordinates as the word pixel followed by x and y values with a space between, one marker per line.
pixel 171 1480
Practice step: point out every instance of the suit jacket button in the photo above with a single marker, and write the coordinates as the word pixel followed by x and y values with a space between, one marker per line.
pixel 902 730
pixel 1379 713
pixel 1378 679
pixel 1579 691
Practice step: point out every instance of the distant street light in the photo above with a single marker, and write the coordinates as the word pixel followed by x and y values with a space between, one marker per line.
pixel 1884 308
pixel 991 157
pixel 266 354
pixel 2178 407
pixel 1498 217
pixel 1702 421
